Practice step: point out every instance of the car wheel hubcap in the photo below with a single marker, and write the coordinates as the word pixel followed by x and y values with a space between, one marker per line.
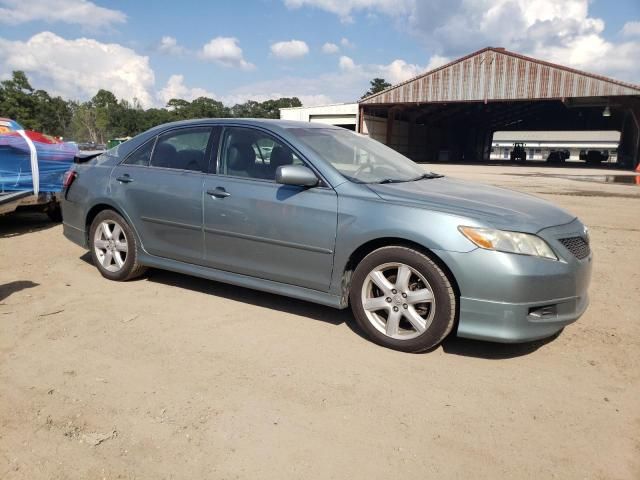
pixel 110 245
pixel 398 301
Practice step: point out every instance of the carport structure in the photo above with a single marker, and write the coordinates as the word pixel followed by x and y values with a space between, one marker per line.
pixel 451 113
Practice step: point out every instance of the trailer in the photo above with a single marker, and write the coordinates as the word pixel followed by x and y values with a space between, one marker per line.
pixel 46 202
pixel 32 167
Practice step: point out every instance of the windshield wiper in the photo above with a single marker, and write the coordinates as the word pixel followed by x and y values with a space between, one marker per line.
pixel 392 180
pixel 427 176
pixel 423 176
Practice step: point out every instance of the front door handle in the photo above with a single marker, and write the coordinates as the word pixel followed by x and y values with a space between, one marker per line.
pixel 218 192
pixel 124 178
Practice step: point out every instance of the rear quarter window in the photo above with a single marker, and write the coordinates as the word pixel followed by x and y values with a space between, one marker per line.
pixel 142 155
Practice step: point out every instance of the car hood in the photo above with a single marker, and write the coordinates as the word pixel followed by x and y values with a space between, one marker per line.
pixel 498 207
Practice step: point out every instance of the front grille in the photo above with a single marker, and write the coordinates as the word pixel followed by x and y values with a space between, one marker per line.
pixel 577 245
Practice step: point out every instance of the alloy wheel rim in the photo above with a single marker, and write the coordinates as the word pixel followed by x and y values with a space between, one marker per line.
pixel 398 301
pixel 110 245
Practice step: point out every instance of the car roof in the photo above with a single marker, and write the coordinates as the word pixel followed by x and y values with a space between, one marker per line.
pixel 261 122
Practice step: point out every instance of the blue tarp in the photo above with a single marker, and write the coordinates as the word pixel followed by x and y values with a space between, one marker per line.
pixel 53 160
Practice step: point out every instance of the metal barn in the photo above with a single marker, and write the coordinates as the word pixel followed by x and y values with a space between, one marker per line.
pixel 452 112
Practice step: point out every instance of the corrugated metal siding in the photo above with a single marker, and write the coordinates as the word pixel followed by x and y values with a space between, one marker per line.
pixel 499 75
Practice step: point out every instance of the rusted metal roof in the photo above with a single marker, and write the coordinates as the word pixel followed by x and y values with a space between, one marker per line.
pixel 497 74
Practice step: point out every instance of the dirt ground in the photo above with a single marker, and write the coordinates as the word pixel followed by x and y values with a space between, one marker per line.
pixel 176 377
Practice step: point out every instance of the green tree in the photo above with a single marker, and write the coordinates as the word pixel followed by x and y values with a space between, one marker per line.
pixel 17 101
pixel 84 126
pixel 248 109
pixel 376 85
pixel 204 107
pixel 104 116
pixel 272 107
pixel 266 109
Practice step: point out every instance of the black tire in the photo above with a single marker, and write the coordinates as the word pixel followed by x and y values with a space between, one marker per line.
pixel 443 293
pixel 54 212
pixel 130 268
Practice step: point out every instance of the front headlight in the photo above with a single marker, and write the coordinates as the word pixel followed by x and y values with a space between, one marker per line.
pixel 510 242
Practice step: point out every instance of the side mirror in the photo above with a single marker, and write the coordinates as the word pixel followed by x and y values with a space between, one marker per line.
pixel 297 175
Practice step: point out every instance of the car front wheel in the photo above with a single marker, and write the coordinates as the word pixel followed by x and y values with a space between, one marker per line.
pixel 113 247
pixel 402 299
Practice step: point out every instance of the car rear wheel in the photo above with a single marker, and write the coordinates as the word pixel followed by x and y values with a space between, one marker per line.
pixel 114 249
pixel 402 299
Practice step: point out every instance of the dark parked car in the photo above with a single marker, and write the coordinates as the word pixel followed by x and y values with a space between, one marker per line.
pixel 326 215
pixel 558 156
pixel 594 157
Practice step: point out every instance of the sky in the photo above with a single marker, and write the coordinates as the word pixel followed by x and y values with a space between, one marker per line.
pixel 322 51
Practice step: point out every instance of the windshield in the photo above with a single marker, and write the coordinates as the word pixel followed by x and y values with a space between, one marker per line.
pixel 357 157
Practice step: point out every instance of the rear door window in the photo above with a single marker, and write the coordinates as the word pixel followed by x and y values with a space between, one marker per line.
pixel 184 149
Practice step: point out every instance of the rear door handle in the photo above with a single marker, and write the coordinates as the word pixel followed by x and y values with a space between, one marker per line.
pixel 124 178
pixel 218 192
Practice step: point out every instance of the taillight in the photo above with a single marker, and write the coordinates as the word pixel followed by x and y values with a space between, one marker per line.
pixel 69 177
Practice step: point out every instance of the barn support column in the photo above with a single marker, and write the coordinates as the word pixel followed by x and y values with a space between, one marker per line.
pixel 391 116
pixel 635 112
pixel 629 150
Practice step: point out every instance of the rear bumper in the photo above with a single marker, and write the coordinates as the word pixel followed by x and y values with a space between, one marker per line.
pixel 73 221
pixel 76 235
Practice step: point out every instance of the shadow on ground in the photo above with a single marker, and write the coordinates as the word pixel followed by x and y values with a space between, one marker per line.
pixel 452 345
pixel 490 350
pixel 253 297
pixel 13 287
pixel 21 223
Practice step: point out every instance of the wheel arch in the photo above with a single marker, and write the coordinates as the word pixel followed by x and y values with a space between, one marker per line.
pixel 93 212
pixel 366 248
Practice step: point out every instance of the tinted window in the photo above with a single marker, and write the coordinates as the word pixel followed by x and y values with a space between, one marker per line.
pixel 142 155
pixel 183 149
pixel 254 154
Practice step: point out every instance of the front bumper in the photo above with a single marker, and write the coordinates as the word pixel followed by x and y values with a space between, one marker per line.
pixel 517 322
pixel 517 298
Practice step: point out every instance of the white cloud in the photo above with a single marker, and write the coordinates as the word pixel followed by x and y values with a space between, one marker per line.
pixel 436 61
pixel 395 72
pixel 290 50
pixel 78 68
pixel 346 8
pixel 631 29
pixel 330 48
pixel 562 32
pixel 346 43
pixel 169 46
pixel 346 63
pixel 225 51
pixel 175 88
pixel 344 85
pixel 399 71
pixel 81 12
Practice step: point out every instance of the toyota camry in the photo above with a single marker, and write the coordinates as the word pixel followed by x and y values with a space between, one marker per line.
pixel 326 215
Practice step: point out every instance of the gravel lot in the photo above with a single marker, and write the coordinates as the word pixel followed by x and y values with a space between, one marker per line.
pixel 176 377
